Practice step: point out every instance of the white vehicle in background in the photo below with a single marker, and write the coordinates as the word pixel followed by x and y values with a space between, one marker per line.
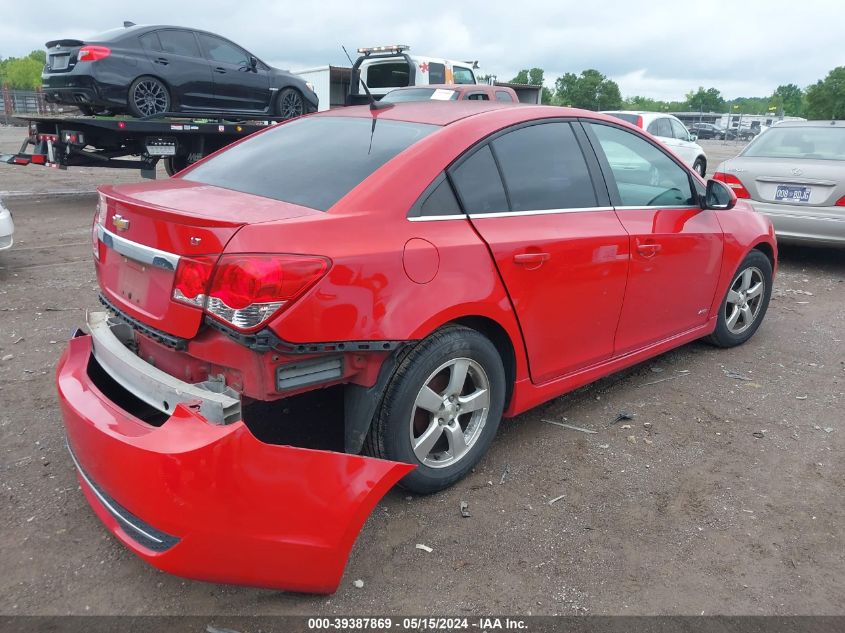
pixel 671 132
pixel 7 228
pixel 384 68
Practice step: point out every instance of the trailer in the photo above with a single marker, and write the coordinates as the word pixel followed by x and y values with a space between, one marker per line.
pixel 128 143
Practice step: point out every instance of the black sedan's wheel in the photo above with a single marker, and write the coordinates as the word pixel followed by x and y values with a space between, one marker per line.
pixel 441 408
pixel 700 166
pixel 148 96
pixel 745 303
pixel 290 103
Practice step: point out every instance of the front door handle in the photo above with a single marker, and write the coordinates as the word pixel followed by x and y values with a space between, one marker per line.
pixel 531 261
pixel 220 70
pixel 648 249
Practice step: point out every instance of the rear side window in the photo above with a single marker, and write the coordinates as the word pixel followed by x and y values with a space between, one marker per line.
pixel 634 119
pixel 312 162
pixel 436 73
pixel 441 200
pixel 501 95
pixel 478 96
pixel 179 43
pixel 660 127
pixel 478 183
pixel 388 75
pixel 150 41
pixel 543 168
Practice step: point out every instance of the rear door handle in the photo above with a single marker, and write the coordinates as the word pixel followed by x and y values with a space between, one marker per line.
pixel 531 260
pixel 162 60
pixel 648 249
pixel 220 70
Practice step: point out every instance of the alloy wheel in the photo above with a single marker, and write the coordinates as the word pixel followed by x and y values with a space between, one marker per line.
pixel 291 105
pixel 450 412
pixel 745 298
pixel 150 97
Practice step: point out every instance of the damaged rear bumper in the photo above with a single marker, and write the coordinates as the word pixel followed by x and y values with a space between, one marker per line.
pixel 210 501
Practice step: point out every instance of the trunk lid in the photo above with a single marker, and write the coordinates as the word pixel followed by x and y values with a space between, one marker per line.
pixel 62 55
pixel 822 180
pixel 143 231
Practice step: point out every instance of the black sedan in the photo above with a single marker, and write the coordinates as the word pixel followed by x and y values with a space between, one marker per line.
pixel 706 130
pixel 151 70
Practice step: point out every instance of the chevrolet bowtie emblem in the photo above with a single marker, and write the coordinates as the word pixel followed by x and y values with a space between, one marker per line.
pixel 120 223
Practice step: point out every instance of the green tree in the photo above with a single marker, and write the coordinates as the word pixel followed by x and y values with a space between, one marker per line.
pixel 826 98
pixel 787 99
pixel 709 100
pixel 532 77
pixel 590 90
pixel 23 73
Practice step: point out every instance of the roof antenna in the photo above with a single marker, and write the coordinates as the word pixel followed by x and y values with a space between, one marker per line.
pixel 374 105
pixel 127 24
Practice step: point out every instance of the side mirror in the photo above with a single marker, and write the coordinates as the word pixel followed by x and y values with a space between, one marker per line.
pixel 253 63
pixel 693 137
pixel 718 196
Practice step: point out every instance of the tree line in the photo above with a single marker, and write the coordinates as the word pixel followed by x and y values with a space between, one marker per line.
pixel 23 73
pixel 591 90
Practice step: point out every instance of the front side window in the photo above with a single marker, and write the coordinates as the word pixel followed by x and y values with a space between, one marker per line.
pixel 313 161
pixel 543 168
pixel 478 183
pixel 644 175
pixel 219 50
pixel 462 75
pixel 179 43
pixel 388 75
pixel 679 131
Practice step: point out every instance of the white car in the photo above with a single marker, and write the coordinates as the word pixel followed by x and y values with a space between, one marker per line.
pixel 7 228
pixel 671 132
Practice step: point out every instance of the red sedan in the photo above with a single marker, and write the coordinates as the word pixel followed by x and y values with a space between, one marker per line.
pixel 449 264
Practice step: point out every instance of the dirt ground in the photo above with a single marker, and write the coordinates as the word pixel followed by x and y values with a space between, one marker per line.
pixel 728 499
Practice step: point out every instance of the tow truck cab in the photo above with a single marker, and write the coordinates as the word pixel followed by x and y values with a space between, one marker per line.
pixel 384 68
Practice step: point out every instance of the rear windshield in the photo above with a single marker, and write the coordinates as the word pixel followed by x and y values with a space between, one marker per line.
pixel 826 143
pixel 420 94
pixel 630 118
pixel 388 75
pixel 313 161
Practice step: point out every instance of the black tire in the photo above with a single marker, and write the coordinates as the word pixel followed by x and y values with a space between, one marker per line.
pixel 700 166
pixel 398 416
pixel 87 110
pixel 290 104
pixel 727 336
pixel 175 164
pixel 148 96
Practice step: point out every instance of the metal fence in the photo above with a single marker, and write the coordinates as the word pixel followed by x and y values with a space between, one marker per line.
pixel 23 102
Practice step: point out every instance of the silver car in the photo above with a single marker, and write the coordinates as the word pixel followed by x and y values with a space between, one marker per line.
pixel 795 174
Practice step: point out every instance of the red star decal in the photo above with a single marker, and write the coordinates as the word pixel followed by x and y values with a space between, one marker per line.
pixel 424 67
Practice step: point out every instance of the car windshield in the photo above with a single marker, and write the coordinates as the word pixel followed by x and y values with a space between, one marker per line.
pixel 630 118
pixel 826 143
pixel 420 94
pixel 312 161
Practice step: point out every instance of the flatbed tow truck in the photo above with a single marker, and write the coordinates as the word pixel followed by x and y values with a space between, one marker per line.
pixel 124 142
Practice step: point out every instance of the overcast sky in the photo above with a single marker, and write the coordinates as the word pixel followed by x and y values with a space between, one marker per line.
pixel 654 48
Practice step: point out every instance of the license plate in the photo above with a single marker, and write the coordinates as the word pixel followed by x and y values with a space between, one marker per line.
pixel 59 62
pixel 789 193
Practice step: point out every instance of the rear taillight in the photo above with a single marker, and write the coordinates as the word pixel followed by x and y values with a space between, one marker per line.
pixel 733 182
pixel 640 122
pixel 191 281
pixel 92 53
pixel 99 220
pixel 245 291
pixel 841 202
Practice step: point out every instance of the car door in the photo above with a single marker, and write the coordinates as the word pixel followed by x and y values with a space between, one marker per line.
pixel 686 149
pixel 676 247
pixel 176 58
pixel 559 247
pixel 237 85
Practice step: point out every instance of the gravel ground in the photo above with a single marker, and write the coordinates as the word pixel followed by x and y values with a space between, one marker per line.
pixel 724 495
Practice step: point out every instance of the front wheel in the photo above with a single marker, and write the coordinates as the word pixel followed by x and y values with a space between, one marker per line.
pixel 745 303
pixel 148 96
pixel 290 104
pixel 441 408
pixel 700 166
